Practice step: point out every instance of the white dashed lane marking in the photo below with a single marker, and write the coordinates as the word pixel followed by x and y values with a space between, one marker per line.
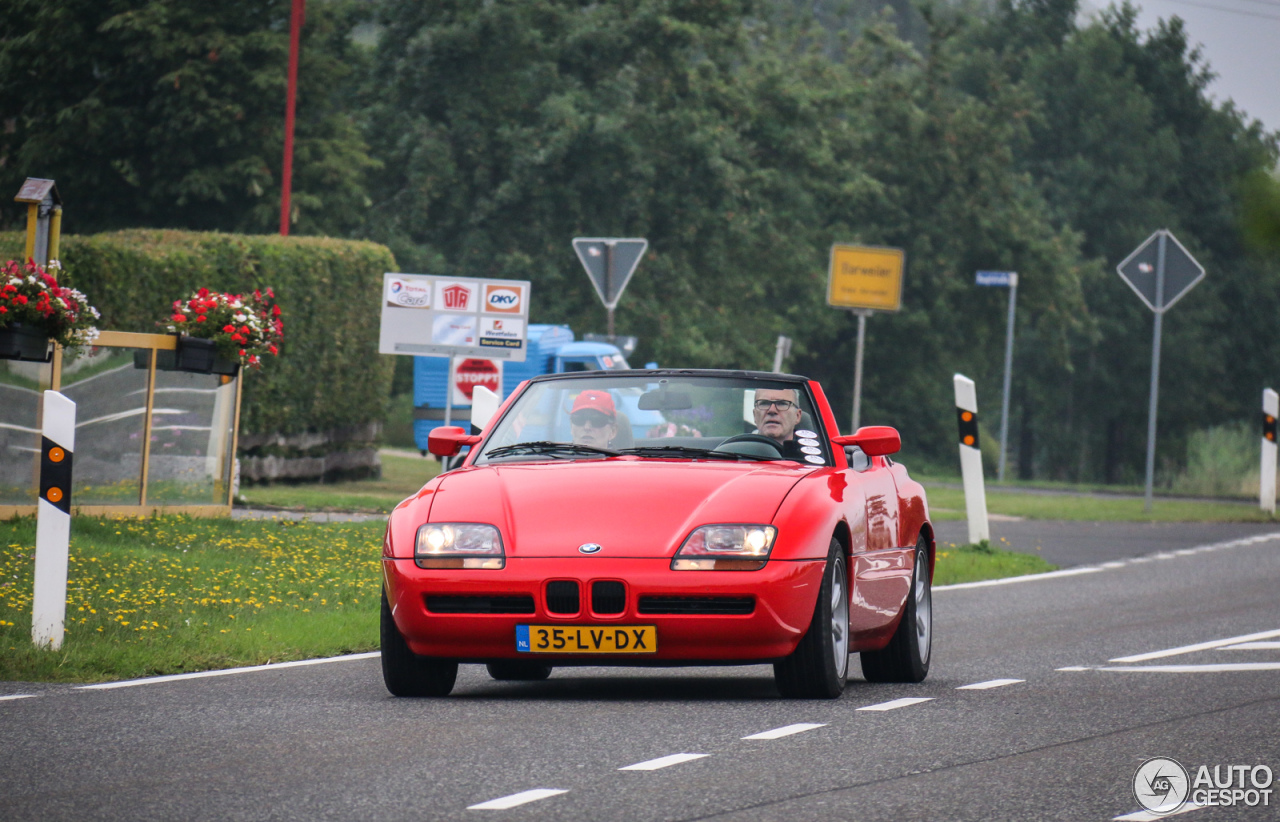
pixel 516 799
pixel 787 730
pixel 16 696
pixel 1200 646
pixel 896 703
pixel 993 683
pixel 663 762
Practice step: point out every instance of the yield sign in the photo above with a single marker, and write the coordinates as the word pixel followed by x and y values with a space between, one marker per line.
pixel 610 262
pixel 1161 271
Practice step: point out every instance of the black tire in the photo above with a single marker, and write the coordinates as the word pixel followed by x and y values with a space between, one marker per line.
pixel 820 663
pixel 406 673
pixel 517 670
pixel 906 657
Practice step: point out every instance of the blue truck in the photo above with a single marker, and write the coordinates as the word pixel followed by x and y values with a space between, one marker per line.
pixel 551 349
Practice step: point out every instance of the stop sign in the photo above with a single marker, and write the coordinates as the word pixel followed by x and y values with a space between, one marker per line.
pixel 471 372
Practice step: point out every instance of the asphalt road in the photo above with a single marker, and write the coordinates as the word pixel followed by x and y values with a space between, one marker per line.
pixel 325 741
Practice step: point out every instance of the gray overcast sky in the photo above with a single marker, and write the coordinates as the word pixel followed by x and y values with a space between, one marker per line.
pixel 1240 39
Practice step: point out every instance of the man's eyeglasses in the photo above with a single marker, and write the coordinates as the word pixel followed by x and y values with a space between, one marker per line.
pixel 592 419
pixel 782 405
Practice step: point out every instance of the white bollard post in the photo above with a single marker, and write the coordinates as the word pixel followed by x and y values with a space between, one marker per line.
pixel 53 522
pixel 1267 479
pixel 975 492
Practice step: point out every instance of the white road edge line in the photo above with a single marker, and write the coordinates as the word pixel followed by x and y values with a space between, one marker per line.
pixel 663 762
pixel 1253 646
pixel 17 696
pixel 897 703
pixel 1147 816
pixel 1219 667
pixel 993 683
pixel 129 683
pixel 787 730
pixel 516 799
pixel 1111 565
pixel 1199 646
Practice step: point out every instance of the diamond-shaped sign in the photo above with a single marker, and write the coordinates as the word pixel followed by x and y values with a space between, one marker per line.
pixel 1141 270
pixel 610 262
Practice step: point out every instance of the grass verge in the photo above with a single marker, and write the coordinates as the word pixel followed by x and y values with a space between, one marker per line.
pixel 401 476
pixel 948 504
pixel 974 562
pixel 167 595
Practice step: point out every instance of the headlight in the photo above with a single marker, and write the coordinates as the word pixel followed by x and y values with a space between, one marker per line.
pixel 726 548
pixel 458 545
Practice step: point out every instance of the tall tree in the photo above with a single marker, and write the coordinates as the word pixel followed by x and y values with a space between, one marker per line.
pixel 169 113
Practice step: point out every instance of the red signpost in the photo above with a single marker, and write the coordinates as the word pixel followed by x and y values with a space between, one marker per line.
pixel 291 99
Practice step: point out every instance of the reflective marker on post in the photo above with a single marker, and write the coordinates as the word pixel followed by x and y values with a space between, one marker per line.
pixel 1267 478
pixel 975 493
pixel 53 523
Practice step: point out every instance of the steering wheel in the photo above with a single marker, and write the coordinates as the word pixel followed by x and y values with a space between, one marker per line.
pixel 757 445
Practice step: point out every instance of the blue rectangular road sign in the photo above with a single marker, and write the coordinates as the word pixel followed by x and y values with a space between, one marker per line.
pixel 1000 278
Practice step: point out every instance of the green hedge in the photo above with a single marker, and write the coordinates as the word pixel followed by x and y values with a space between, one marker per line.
pixel 329 374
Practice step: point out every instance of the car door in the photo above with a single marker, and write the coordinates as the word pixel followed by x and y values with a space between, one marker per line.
pixel 882 569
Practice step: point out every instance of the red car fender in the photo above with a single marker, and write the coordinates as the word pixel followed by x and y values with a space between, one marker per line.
pixel 913 513
pixel 816 508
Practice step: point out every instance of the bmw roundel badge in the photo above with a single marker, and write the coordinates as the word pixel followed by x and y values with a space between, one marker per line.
pixel 589 548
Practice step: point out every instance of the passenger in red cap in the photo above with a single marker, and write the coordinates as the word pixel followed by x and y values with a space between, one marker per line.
pixel 593 420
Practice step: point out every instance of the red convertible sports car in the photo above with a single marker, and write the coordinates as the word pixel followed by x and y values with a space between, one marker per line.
pixel 661 517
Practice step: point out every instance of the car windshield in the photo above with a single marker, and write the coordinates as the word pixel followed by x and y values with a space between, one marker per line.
pixel 662 416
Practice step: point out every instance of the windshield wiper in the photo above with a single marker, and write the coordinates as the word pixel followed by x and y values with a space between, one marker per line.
pixel 688 451
pixel 549 448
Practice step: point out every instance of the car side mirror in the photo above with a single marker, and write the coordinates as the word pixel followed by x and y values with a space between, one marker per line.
pixel 446 441
pixel 874 440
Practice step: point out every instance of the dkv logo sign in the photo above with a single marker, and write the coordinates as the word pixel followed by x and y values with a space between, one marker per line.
pixel 503 299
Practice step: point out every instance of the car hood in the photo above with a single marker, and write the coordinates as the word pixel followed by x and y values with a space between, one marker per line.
pixel 630 507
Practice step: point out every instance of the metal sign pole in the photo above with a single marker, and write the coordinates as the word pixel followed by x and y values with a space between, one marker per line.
pixel 608 283
pixel 1155 375
pixel 1008 373
pixel 448 393
pixel 862 314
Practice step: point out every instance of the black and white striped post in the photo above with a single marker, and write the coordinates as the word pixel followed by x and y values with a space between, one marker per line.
pixel 53 522
pixel 975 491
pixel 1267 479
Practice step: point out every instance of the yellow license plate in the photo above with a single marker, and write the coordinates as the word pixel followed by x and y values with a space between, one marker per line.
pixel 587 639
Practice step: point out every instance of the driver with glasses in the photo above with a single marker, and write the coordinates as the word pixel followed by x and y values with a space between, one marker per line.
pixel 777 413
pixel 593 420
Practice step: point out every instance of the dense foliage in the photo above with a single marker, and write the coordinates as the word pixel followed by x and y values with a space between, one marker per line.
pixel 328 374
pixel 170 113
pixel 742 138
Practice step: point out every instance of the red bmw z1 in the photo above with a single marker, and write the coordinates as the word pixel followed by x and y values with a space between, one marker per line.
pixel 661 517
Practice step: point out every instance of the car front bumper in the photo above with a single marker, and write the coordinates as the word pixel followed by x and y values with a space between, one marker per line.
pixel 784 595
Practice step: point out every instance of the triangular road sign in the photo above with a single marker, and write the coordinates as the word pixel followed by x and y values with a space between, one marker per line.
pixel 610 262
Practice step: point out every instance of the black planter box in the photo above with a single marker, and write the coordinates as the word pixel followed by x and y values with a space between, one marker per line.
pixel 22 342
pixel 192 355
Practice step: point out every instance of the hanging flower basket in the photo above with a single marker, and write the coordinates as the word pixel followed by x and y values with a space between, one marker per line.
pixel 23 342
pixel 35 310
pixel 217 333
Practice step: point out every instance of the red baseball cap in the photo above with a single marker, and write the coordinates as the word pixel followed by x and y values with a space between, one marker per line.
pixel 596 401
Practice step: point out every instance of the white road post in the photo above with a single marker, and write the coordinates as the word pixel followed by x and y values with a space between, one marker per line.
pixel 975 492
pixel 53 522
pixel 1267 479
